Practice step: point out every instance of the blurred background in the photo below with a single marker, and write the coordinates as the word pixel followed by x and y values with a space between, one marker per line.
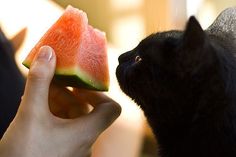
pixel 125 22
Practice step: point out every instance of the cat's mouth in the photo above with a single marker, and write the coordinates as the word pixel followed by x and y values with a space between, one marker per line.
pixel 120 74
pixel 127 82
pixel 122 71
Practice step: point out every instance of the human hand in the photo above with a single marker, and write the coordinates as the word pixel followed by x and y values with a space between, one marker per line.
pixel 36 132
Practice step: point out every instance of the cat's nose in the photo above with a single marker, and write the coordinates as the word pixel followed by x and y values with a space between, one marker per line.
pixel 124 57
pixel 121 58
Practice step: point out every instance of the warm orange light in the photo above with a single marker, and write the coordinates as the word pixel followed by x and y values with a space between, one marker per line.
pixel 128 31
pixel 38 16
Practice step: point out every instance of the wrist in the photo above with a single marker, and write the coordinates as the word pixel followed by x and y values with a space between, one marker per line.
pixel 13 142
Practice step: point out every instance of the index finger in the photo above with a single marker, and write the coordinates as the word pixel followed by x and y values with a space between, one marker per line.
pixel 92 97
pixel 105 111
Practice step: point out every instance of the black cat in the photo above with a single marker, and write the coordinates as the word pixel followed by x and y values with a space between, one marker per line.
pixel 185 82
pixel 11 80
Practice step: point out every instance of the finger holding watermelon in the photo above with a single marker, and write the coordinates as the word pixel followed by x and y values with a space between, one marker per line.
pixel 64 104
pixel 81 51
pixel 36 131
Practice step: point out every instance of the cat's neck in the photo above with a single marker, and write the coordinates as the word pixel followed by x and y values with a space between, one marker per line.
pixel 175 113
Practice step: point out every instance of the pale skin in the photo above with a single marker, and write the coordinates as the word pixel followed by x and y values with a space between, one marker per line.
pixel 53 121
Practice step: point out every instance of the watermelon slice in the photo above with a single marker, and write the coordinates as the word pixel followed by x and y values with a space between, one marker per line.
pixel 80 49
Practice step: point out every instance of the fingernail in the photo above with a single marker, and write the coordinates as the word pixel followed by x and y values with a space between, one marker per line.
pixel 45 53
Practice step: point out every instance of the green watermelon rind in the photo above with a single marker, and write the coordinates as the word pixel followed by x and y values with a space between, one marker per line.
pixel 75 77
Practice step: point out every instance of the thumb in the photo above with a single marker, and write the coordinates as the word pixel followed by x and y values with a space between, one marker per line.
pixel 40 75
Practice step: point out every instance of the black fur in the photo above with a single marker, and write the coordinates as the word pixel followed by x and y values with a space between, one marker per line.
pixel 11 83
pixel 185 82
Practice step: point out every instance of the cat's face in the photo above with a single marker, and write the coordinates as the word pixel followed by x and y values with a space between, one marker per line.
pixel 11 80
pixel 167 64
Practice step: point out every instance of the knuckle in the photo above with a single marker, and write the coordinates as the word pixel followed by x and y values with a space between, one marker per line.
pixel 118 109
pixel 36 73
pixel 112 109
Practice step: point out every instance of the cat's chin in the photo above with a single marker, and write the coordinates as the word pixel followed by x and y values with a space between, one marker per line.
pixel 120 75
pixel 122 80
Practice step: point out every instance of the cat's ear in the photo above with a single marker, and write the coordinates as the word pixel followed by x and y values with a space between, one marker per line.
pixel 194 35
pixel 18 39
pixel 5 45
pixel 2 36
pixel 12 45
pixel 195 51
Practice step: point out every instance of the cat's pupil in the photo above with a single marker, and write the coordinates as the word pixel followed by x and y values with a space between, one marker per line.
pixel 137 59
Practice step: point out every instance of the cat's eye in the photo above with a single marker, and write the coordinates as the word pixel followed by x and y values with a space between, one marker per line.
pixel 137 59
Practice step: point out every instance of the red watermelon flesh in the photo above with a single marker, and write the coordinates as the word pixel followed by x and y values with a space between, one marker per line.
pixel 80 50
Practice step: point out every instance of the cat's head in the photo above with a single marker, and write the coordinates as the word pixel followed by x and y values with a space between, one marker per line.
pixel 171 66
pixel 11 80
